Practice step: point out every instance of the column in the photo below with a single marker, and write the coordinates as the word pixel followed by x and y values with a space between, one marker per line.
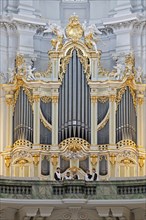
pixel 55 120
pixel 36 119
pixel 95 64
pixel 93 119
pixel 3 115
pixel 140 120
pixel 112 119
pixel 9 120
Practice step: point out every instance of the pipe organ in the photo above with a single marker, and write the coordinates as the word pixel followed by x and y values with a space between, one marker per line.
pixel 74 115
pixel 74 102
pixel 23 118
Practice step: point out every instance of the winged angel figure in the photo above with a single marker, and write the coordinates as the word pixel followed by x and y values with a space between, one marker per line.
pixel 59 32
pixel 91 34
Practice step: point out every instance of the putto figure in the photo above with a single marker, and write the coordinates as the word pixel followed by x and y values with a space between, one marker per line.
pixel 91 35
pixel 59 32
pixel 138 77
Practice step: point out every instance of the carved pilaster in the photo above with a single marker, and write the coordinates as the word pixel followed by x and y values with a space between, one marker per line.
pixel 93 119
pixel 54 120
pixel 36 120
pixel 112 119
pixel 140 119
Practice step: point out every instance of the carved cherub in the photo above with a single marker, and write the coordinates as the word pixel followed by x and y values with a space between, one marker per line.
pixel 29 73
pixel 119 71
pixel 91 34
pixel 58 31
pixel 11 75
pixel 138 77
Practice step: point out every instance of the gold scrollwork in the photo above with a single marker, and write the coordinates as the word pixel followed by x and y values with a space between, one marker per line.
pixel 36 98
pixel 140 100
pixel 141 161
pixel 94 99
pixel 54 99
pixel 54 159
pixel 112 98
pixel 7 161
pixel 46 99
pixel 9 99
pixel 102 99
pixel 36 159
pixel 74 29
pixel 93 158
pixel 113 159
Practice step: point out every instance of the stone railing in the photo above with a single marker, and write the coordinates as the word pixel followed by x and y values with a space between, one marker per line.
pixel 37 189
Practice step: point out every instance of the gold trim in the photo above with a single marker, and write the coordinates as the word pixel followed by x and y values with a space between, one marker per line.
pixel 102 99
pixel 46 99
pixel 55 99
pixel 7 161
pixel 94 99
pixel 36 98
pixel 93 159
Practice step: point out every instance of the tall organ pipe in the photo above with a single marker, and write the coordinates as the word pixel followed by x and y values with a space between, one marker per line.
pixel 126 118
pixel 23 123
pixel 74 102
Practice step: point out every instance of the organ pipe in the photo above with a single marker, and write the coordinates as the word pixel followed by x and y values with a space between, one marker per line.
pixel 74 102
pixel 126 118
pixel 23 122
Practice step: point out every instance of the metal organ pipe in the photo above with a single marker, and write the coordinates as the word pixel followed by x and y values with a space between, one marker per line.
pixel 75 107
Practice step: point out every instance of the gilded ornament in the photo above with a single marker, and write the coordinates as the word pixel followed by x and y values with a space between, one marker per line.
pixel 94 99
pixel 129 64
pixel 127 161
pixel 36 159
pixel 102 99
pixel 112 98
pixel 54 159
pixel 36 98
pixel 93 159
pixel 55 99
pixel 140 100
pixel 74 146
pixel 74 29
pixel 141 161
pixel 113 159
pixel 46 99
pixel 7 161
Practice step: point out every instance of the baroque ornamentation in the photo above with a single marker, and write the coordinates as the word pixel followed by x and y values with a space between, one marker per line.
pixel 113 159
pixel 36 159
pixel 93 159
pixel 7 161
pixel 141 161
pixel 74 29
pixel 45 122
pixel 54 159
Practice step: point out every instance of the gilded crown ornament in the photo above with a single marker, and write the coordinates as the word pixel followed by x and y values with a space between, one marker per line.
pixel 74 29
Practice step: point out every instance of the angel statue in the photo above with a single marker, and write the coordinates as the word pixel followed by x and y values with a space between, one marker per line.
pixel 11 74
pixel 91 34
pixel 138 77
pixel 58 31
pixel 29 73
pixel 119 71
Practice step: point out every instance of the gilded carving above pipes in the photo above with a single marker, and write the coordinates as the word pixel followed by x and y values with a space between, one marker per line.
pixel 7 161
